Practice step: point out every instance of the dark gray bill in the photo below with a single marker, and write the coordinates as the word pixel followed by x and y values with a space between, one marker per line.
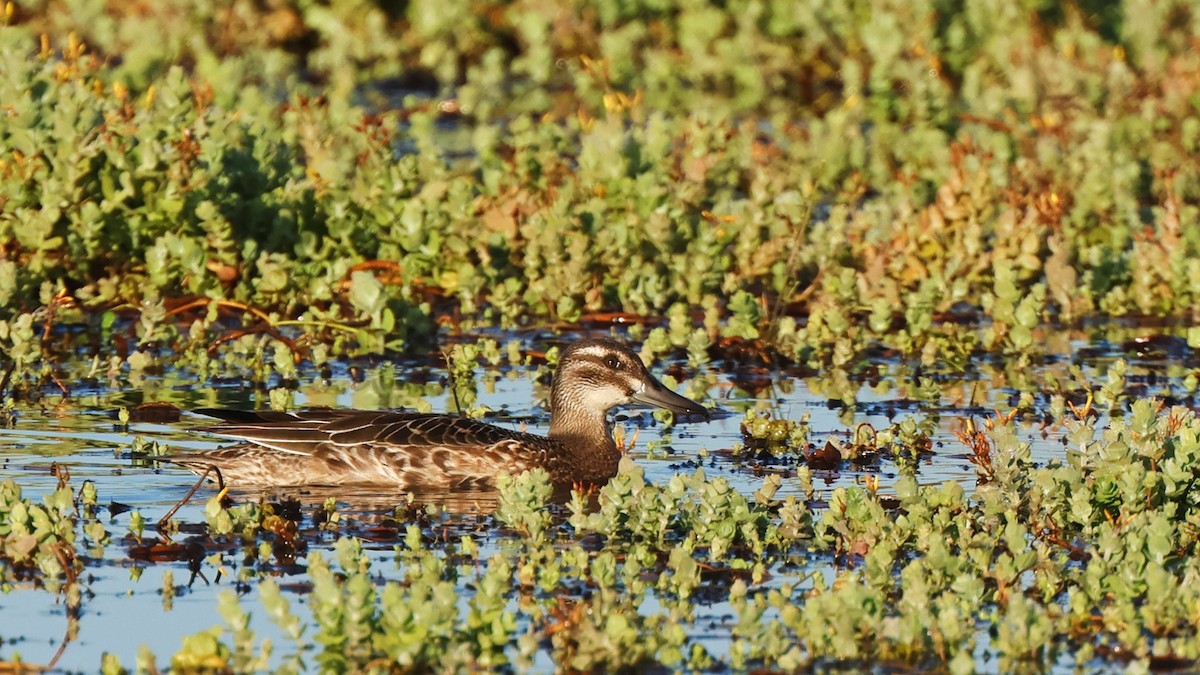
pixel 657 395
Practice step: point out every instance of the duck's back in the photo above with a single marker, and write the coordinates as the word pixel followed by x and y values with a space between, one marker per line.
pixel 342 447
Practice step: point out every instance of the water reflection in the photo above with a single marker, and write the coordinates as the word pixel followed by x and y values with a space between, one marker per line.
pixel 375 500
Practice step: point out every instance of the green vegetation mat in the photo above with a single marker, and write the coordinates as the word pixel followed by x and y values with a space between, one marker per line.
pixel 832 176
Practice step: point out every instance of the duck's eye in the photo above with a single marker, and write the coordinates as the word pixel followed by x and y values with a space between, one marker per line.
pixel 613 362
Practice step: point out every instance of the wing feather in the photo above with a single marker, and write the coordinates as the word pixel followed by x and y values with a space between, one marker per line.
pixel 306 432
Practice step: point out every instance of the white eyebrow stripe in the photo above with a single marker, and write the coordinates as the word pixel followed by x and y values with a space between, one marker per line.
pixel 595 350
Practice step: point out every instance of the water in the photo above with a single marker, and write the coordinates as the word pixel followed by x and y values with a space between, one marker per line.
pixel 125 607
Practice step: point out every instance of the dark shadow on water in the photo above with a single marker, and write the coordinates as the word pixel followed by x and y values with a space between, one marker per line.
pixel 375 499
pixel 378 500
pixel 365 499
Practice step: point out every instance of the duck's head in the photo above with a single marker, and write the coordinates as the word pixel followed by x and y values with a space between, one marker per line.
pixel 597 375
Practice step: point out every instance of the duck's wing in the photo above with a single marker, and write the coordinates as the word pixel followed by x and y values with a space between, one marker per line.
pixel 344 447
pixel 311 431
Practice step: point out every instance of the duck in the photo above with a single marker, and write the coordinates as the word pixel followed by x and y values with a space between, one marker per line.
pixel 330 447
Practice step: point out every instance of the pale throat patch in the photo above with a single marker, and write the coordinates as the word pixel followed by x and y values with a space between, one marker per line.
pixel 606 397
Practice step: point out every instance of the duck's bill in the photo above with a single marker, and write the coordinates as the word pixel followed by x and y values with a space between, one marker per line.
pixel 657 395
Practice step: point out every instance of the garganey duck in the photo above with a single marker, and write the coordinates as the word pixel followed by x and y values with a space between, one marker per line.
pixel 406 449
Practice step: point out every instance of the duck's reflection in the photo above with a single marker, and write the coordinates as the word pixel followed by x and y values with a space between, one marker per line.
pixel 373 500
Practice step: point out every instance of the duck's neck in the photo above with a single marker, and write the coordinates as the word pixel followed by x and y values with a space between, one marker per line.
pixel 586 436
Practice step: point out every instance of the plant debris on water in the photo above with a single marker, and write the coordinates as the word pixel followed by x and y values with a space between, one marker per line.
pixel 937 265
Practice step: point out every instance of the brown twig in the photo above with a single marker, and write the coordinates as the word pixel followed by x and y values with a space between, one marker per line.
pixel 66 559
pixel 212 468
pixel 979 445
pixel 227 304
pixel 62 387
pixel 7 376
pixel 261 330
pixel 799 230
pixel 62 473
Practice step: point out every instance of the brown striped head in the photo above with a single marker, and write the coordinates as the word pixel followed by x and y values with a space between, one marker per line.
pixel 597 375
